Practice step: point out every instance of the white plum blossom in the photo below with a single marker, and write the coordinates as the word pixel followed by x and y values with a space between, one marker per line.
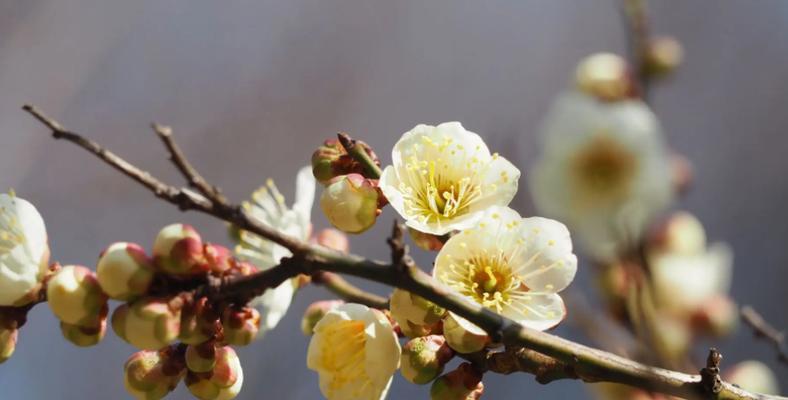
pixel 24 252
pixel 514 266
pixel 444 176
pixel 604 170
pixel 268 207
pixel 355 352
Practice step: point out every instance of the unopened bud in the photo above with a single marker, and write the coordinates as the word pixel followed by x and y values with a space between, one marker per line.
pixel 85 336
pixel 201 358
pixel 218 258
pixel 682 173
pixel 753 376
pixel 148 323
pixel 717 316
pixel 333 239
pixel 178 250
pixel 464 383
pixel 124 271
pixel 240 326
pixel 326 161
pixel 680 233
pixel 198 322
pixel 423 358
pixel 663 56
pixel 415 315
pixel 74 296
pixel 315 312
pixel 425 241
pixel 605 76
pixel 463 336
pixel 146 376
pixel 223 383
pixel 8 338
pixel 350 202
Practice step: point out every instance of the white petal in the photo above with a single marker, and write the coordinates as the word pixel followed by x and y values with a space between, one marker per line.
pixel 304 195
pixel 273 305
pixel 540 311
pixel 500 179
pixel 547 262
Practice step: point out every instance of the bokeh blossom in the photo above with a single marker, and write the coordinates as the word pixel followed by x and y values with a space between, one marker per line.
pixel 24 252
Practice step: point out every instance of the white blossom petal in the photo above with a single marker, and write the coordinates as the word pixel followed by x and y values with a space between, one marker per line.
pixel 24 252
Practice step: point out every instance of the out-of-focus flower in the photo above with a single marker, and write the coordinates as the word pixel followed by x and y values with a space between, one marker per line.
pixel 464 383
pixel 355 352
pixel 415 315
pixel 514 266
pixel 268 207
pixel 240 325
pixel 350 202
pixel 24 252
pixel 663 55
pixel 444 176
pixel 605 76
pixel 147 377
pixel 604 171
pixel 333 239
pixel 178 250
pixel 423 358
pixel 614 391
pixel 315 312
pixel 75 297
pixel 426 241
pixel 124 271
pixel 148 323
pixel 223 383
pixel 8 336
pixel 754 376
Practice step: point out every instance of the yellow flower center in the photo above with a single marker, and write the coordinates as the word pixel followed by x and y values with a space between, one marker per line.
pixel 488 280
pixel 11 234
pixel 344 354
pixel 603 170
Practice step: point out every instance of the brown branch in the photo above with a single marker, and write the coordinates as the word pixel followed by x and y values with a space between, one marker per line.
pixel 360 155
pixel 400 254
pixel 348 292
pixel 764 330
pixel 638 39
pixel 586 363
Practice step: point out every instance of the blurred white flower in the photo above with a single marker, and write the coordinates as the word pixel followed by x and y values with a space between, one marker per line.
pixel 355 352
pixel 24 252
pixel 268 206
pixel 514 266
pixel 443 176
pixel 604 171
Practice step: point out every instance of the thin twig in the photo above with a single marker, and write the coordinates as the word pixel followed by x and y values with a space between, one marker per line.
pixel 348 292
pixel 636 23
pixel 763 329
pixel 586 363
pixel 359 153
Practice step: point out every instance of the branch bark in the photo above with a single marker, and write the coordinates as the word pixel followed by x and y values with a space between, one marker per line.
pixel 576 360
pixel 763 329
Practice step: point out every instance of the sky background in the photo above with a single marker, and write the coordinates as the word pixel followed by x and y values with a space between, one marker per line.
pixel 251 87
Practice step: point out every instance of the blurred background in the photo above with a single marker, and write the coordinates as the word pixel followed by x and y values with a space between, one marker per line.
pixel 252 87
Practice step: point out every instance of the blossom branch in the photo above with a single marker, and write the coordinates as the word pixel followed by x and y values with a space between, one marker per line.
pixel 585 363
pixel 360 155
pixel 638 39
pixel 763 329
pixel 342 288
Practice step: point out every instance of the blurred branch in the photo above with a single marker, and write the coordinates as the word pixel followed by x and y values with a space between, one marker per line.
pixel 638 38
pixel 584 363
pixel 762 329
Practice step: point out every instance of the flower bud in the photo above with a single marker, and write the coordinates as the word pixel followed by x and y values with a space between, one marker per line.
pixel 350 203
pixel 682 173
pixel 147 377
pixel 74 296
pixel 240 325
pixel 464 383
pixel 680 233
pixel 423 358
pixel 663 56
pixel 202 357
pixel 85 336
pixel 198 322
pixel 753 376
pixel 605 76
pixel 415 315
pixel 224 383
pixel 315 312
pixel 426 241
pixel 326 161
pixel 463 336
pixel 218 258
pixel 124 271
pixel 8 338
pixel 717 316
pixel 333 239
pixel 178 250
pixel 148 323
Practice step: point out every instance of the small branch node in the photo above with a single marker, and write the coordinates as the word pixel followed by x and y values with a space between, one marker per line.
pixel 710 375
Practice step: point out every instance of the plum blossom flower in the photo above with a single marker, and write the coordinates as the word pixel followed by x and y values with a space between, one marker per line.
pixel 444 176
pixel 24 252
pixel 604 170
pixel 268 206
pixel 514 266
pixel 355 352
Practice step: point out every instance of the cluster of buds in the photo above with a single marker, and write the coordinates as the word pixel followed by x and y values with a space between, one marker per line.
pixel 76 298
pixel 214 372
pixel 351 200
pixel 464 383
pixel 150 374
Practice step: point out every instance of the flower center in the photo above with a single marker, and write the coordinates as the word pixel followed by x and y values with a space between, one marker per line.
pixel 489 281
pixel 344 354
pixel 437 192
pixel 11 234
pixel 604 169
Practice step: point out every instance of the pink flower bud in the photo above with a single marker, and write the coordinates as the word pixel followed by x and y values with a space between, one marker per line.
pixel 423 358
pixel 464 383
pixel 75 297
pixel 223 383
pixel 240 325
pixel 717 316
pixel 315 312
pixel 333 239
pixel 84 336
pixel 124 271
pixel 326 161
pixel 147 376
pixel 218 258
pixel 148 323
pixel 350 203
pixel 178 250
pixel 198 322
pixel 202 357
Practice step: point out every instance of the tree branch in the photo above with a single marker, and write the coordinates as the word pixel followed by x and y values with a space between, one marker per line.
pixel 350 293
pixel 763 329
pixel 587 364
